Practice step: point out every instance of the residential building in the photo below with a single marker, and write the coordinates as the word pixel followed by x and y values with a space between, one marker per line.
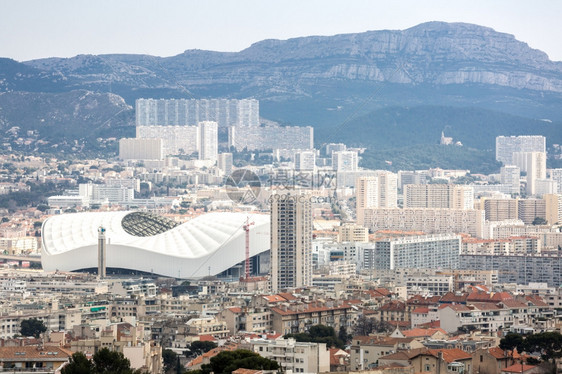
pixel 225 163
pixel 255 138
pixel 529 209
pixel 350 232
pixel 427 220
pixel 345 161
pixel 376 191
pixel 500 209
pixel 553 208
pixel 534 164
pixel 511 175
pixel 291 241
pixel 507 145
pixel 421 252
pixel 293 356
pixel 556 175
pixel 305 160
pixel 141 149
pixel 449 196
pixel 176 140
pixel 189 112
pixel 208 140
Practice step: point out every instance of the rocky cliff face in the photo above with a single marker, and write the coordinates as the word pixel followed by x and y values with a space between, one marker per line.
pixel 431 53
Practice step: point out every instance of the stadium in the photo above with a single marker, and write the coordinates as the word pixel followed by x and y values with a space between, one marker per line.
pixel 138 242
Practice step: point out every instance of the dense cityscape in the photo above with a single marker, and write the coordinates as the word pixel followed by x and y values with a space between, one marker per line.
pixel 385 202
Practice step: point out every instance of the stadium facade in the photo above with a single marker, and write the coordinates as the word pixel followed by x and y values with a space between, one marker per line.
pixel 210 244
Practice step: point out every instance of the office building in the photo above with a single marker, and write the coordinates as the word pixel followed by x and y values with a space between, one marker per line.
pixel 415 252
pixel 510 175
pixel 208 140
pixel 553 208
pixel 305 160
pixel 141 149
pixel 447 196
pixel 259 138
pixel 427 220
pixel 345 161
pixel 534 164
pixel 176 140
pixel 291 241
pixel 507 145
pixel 225 163
pixel 189 112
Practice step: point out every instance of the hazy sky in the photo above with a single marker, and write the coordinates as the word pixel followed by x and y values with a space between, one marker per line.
pixel 38 28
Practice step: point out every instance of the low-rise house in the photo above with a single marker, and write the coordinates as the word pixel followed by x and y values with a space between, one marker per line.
pixel 33 358
pixel 493 360
pixel 443 361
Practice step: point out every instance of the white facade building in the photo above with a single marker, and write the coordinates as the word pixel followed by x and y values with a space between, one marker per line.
pixel 305 160
pixel 189 112
pixel 141 149
pixel 345 161
pixel 507 145
pixel 208 140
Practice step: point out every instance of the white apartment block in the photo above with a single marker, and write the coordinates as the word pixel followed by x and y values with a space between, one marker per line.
pixel 345 161
pixel 511 175
pixel 208 140
pixel 556 175
pixel 545 186
pixel 507 145
pixel 225 163
pixel 415 252
pixel 534 164
pixel 293 356
pixel 255 138
pixel 448 196
pixel 305 160
pixel 141 149
pixel 175 139
pixel 189 112
pixel 428 220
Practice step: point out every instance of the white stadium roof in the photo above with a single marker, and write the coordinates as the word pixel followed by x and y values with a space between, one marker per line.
pixel 208 244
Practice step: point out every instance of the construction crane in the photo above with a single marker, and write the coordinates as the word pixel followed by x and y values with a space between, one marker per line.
pixel 247 230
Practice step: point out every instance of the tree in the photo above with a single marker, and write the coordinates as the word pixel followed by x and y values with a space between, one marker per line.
pixel 32 327
pixel 364 326
pixel 228 361
pixel 169 358
pixel 511 341
pixel 319 334
pixel 549 344
pixel 78 364
pixel 111 362
pixel 539 221
pixel 103 362
pixel 199 347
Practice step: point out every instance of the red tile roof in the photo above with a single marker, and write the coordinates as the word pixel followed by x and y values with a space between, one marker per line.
pixel 518 368
pixel 418 333
pixel 450 355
